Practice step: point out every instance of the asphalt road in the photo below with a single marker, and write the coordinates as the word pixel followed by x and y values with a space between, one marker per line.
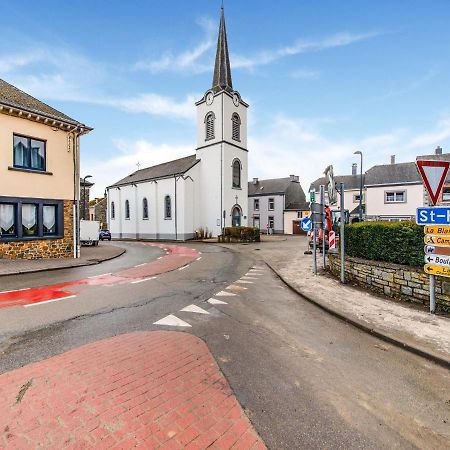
pixel 306 379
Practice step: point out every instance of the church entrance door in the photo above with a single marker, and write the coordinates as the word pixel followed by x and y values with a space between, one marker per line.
pixel 236 217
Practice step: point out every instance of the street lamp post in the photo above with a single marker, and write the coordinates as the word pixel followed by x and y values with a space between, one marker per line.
pixel 84 195
pixel 360 185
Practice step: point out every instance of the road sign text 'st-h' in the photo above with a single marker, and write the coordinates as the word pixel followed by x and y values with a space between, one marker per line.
pixel 433 174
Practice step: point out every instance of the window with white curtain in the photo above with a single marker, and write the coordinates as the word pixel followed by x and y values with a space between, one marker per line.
pixel 7 220
pixel 29 219
pixel 49 219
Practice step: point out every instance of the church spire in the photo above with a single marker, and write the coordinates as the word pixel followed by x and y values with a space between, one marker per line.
pixel 222 71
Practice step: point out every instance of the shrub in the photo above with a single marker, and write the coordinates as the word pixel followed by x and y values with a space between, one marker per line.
pixel 395 242
pixel 244 234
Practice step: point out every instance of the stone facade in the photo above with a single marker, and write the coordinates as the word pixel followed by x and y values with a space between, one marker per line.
pixel 43 248
pixel 394 280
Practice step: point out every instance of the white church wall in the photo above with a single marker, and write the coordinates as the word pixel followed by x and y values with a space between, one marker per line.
pixel 114 224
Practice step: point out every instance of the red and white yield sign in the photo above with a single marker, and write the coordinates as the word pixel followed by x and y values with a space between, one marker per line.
pixel 433 174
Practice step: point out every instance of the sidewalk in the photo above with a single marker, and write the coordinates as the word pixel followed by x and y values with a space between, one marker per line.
pixel 401 323
pixel 141 390
pixel 89 256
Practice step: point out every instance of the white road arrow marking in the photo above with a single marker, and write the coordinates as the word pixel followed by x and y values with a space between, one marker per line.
pixel 172 321
pixel 194 309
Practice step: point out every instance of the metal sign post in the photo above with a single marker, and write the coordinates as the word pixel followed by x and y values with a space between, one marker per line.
pixel 342 237
pixel 314 249
pixel 322 213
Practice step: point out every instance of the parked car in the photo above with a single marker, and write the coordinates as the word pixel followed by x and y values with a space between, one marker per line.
pixel 105 234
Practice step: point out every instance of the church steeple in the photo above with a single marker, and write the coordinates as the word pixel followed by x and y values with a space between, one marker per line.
pixel 222 70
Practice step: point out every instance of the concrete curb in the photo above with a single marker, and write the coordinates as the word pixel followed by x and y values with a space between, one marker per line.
pixel 415 349
pixel 90 262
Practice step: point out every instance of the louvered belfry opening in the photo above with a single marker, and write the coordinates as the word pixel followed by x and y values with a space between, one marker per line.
pixel 209 123
pixel 236 132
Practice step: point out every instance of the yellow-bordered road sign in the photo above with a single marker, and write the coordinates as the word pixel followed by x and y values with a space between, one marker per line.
pixel 435 239
pixel 436 229
pixel 437 270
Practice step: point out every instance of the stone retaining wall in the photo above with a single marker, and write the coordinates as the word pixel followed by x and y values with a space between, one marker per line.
pixel 393 280
pixel 43 248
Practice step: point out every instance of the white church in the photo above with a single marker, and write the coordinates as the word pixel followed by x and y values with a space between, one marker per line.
pixel 207 190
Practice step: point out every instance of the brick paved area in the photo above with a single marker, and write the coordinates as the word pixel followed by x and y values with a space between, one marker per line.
pixel 145 390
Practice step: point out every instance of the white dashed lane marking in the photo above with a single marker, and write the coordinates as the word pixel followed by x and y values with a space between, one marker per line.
pixel 143 279
pixel 199 258
pixel 214 301
pixel 194 309
pixel 225 294
pixel 143 264
pixel 98 276
pixel 172 321
pixel 233 287
pixel 15 290
pixel 49 301
pixel 184 267
pixel 244 282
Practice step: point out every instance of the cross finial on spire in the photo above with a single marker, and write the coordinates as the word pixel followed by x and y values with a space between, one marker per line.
pixel 222 70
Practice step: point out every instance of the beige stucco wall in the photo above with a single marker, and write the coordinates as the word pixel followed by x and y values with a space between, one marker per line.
pixel 377 207
pixel 59 161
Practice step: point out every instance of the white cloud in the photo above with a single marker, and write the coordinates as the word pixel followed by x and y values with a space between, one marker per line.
pixel 187 60
pixel 303 147
pixel 301 46
pixel 107 172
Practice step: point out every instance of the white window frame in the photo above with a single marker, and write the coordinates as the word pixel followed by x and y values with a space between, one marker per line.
pixel 271 200
pixel 395 192
pixel 256 202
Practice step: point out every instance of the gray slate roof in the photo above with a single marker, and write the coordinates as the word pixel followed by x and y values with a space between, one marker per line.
pixel 350 182
pixel 222 71
pixel 293 191
pixel 164 170
pixel 14 97
pixel 399 173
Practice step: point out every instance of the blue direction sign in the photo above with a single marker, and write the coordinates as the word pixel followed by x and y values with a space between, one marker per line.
pixel 306 224
pixel 433 216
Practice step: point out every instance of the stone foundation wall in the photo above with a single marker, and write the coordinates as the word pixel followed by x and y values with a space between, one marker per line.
pixel 394 280
pixel 43 248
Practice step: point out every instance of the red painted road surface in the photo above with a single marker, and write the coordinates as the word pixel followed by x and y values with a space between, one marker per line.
pixel 176 256
pixel 142 390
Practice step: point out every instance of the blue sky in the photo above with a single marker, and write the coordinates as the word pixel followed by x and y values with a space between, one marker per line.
pixel 323 79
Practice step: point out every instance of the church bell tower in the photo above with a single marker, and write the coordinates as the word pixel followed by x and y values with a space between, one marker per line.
pixel 222 147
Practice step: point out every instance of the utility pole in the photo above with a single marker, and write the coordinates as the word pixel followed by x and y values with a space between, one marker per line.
pixel 342 237
pixel 358 152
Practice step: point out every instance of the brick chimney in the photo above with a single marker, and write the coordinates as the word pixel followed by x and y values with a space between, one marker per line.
pixel 438 150
pixel 255 180
pixel 354 168
pixel 392 159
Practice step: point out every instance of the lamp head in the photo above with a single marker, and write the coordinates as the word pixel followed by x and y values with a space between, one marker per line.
pixel 358 152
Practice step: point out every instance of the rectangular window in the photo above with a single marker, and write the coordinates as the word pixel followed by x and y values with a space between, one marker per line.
pixel 256 204
pixel 256 221
pixel 395 197
pixel 446 194
pixel 49 219
pixel 271 222
pixel 29 153
pixel 271 204
pixel 28 218
pixel 8 216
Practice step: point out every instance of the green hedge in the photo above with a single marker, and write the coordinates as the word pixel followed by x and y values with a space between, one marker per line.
pixel 246 234
pixel 395 242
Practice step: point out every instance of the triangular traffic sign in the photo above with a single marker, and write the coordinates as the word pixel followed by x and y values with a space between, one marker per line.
pixel 433 174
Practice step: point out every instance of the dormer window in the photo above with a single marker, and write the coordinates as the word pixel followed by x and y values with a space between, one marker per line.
pixel 236 131
pixel 209 126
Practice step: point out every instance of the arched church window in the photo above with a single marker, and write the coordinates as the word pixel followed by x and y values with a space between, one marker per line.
pixel 236 173
pixel 113 210
pixel 127 209
pixel 236 216
pixel 209 126
pixel 236 128
pixel 167 207
pixel 144 208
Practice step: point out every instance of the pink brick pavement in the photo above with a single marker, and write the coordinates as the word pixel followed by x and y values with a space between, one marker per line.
pixel 145 390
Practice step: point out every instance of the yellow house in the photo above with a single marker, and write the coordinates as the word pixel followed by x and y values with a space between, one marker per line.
pixel 39 178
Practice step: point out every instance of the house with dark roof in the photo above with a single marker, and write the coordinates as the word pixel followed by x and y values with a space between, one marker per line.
pixel 394 191
pixel 206 190
pixel 351 190
pixel 40 178
pixel 276 205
